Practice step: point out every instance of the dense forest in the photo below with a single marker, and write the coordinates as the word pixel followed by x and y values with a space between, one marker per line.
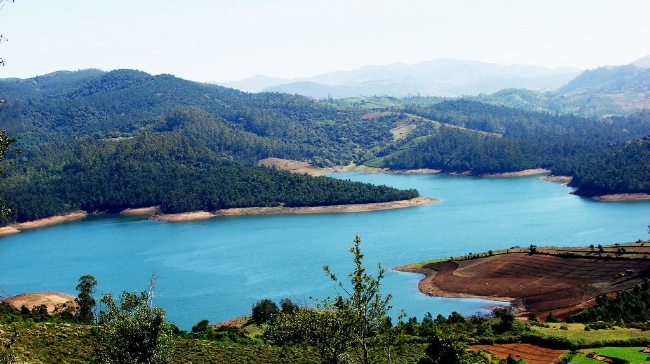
pixel 108 140
pixel 604 156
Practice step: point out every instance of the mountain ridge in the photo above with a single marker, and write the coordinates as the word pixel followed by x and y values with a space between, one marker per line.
pixel 439 77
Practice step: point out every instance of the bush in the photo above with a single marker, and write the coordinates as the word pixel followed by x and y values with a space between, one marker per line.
pixel 134 331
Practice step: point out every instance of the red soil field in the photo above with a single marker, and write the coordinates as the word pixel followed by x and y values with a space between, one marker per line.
pixel 536 283
pixel 532 354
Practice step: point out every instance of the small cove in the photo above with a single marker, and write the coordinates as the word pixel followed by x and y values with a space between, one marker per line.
pixel 218 268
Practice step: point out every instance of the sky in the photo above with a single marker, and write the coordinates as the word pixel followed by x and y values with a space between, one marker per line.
pixel 227 40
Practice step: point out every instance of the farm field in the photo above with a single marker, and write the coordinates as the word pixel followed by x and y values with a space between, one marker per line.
pixel 532 354
pixel 552 280
pixel 633 355
pixel 577 332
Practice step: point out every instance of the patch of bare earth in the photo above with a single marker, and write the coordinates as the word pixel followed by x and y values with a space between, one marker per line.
pixel 561 179
pixel 526 172
pixel 49 299
pixel 623 197
pixel 539 283
pixel 377 114
pixel 293 166
pixel 185 216
pixel 152 210
pixel 532 354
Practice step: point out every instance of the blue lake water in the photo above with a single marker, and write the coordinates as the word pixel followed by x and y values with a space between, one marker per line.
pixel 217 269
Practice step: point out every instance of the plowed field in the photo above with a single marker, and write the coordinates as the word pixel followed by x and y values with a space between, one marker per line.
pixel 532 354
pixel 541 283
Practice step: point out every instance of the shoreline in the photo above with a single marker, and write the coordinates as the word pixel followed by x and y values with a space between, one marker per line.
pixel 426 286
pixel 48 221
pixel 523 279
pixel 281 210
pixel 153 212
pixel 621 197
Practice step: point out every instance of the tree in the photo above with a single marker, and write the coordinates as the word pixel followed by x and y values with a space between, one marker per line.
pixel 85 299
pixel 287 306
pixel 354 326
pixel 444 349
pixel 133 330
pixel 264 310
pixel 362 305
pixel 327 331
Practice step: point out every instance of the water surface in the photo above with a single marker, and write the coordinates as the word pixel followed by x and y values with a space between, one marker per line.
pixel 217 269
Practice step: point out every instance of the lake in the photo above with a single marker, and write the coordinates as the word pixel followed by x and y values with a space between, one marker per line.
pixel 217 269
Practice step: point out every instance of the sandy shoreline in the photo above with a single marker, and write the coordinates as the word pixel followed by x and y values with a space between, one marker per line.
pixel 623 197
pixel 280 210
pixel 418 201
pixel 185 216
pixel 153 213
pixel 58 219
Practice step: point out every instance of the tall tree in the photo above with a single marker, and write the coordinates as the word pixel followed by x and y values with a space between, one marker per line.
pixel 362 305
pixel 85 299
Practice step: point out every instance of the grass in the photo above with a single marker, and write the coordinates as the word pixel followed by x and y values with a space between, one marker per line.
pixel 581 358
pixel 577 332
pixel 632 354
pixel 71 343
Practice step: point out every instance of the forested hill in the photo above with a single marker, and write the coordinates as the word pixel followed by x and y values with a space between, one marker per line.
pixel 108 140
pixel 601 92
pixel 604 156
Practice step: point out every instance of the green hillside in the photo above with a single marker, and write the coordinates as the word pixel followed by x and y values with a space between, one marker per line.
pixel 103 141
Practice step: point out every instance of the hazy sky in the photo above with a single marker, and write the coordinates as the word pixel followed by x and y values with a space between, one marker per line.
pixel 224 40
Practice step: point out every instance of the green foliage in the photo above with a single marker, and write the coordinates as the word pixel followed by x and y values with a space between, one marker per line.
pixel 444 349
pixel 363 305
pixel 354 326
pixel 172 171
pixel 7 355
pixel 264 311
pixel 134 331
pixel 631 305
pixel 329 332
pixel 85 299
pixel 204 331
pixel 5 143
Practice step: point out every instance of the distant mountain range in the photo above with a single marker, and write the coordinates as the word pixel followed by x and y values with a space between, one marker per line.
pixel 441 77
pixel 601 92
